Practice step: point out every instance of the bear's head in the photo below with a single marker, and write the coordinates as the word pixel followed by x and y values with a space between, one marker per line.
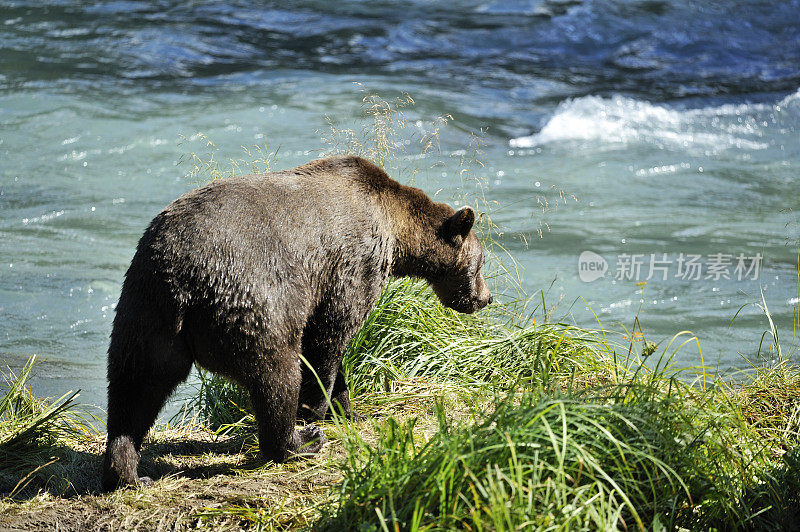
pixel 458 281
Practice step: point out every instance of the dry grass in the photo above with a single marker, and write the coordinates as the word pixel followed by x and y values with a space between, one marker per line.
pixel 206 481
pixel 196 475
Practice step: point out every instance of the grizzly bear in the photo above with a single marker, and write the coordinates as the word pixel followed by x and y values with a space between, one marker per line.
pixel 245 274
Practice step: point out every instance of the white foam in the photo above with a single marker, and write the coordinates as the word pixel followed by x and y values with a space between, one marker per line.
pixel 622 120
pixel 790 100
pixel 43 218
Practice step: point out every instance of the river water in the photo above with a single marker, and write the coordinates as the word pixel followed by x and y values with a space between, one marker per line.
pixel 675 126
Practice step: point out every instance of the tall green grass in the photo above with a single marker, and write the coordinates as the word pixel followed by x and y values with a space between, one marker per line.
pixel 409 334
pixel 219 405
pixel 35 432
pixel 644 454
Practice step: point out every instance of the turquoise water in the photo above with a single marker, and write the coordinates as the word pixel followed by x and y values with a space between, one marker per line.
pixel 676 128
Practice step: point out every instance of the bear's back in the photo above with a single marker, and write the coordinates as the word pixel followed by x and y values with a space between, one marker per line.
pixel 256 240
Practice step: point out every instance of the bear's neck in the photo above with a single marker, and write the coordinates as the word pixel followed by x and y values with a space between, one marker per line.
pixel 405 262
pixel 412 218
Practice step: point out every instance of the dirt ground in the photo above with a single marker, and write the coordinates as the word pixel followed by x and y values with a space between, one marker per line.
pixel 207 481
pixel 196 476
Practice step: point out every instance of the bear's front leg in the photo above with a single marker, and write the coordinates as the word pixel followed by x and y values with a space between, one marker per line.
pixel 274 395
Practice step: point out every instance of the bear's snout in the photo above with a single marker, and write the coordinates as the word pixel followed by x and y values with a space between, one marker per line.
pixel 473 304
pixel 484 301
pixel 484 296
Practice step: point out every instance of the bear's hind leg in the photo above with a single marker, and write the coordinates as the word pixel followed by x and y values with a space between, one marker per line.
pixel 141 376
pixel 323 346
pixel 274 398
pixel 339 404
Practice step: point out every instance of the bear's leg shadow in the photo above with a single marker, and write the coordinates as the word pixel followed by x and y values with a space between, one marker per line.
pixel 274 398
pixel 142 373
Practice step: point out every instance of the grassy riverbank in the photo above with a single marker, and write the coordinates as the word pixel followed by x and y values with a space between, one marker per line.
pixel 499 420
pixel 494 421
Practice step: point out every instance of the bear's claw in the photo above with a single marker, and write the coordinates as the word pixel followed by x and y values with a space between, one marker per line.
pixel 311 441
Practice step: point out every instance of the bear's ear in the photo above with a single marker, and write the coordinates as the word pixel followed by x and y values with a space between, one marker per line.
pixel 460 224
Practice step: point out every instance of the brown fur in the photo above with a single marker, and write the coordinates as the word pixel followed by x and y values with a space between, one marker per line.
pixel 245 274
